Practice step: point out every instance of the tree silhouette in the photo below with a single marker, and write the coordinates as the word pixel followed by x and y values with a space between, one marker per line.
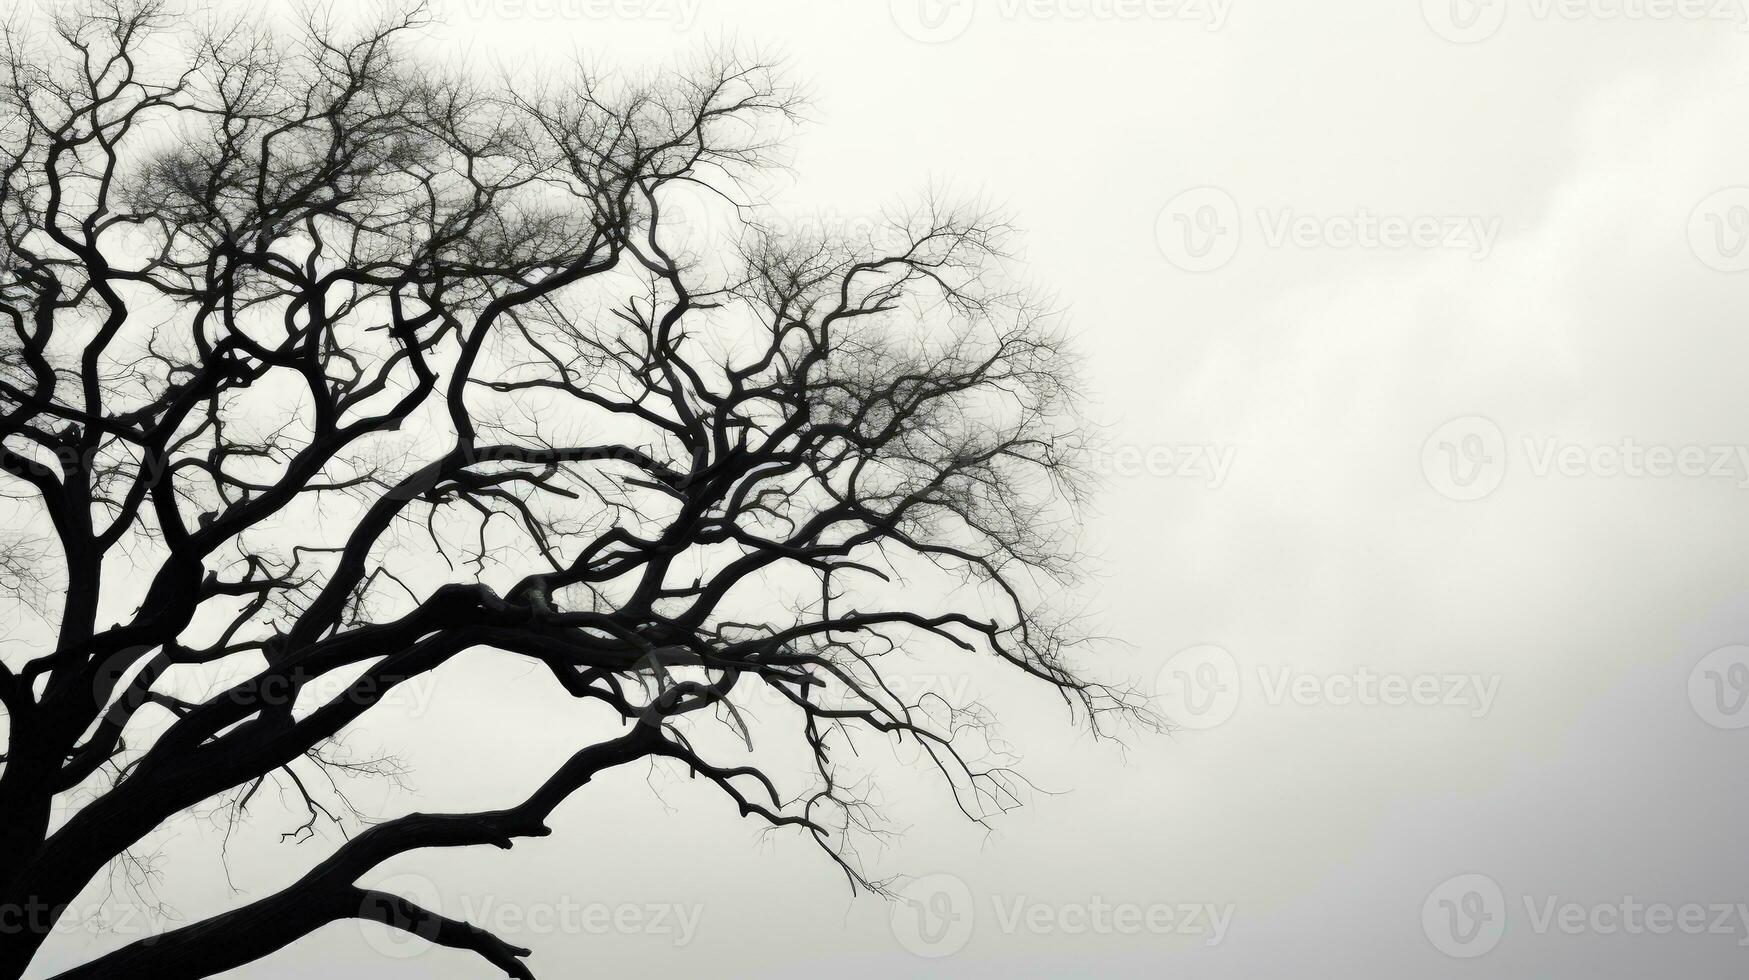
pixel 324 367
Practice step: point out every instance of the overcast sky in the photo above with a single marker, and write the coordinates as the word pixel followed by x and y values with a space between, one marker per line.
pixel 1419 333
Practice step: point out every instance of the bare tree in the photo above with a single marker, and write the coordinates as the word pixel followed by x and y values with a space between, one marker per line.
pixel 320 362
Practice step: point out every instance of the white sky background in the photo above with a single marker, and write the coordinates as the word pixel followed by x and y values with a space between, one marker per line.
pixel 1328 547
